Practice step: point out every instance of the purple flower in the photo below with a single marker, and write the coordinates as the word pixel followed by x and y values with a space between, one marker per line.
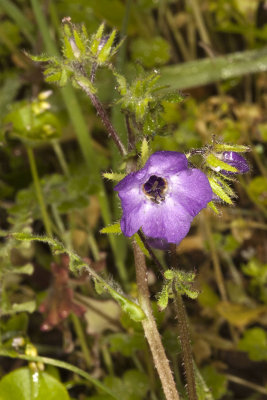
pixel 163 197
pixel 235 160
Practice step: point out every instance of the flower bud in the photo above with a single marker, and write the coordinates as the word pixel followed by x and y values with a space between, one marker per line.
pixel 235 160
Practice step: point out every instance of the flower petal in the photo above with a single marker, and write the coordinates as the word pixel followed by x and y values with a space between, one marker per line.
pixel 168 221
pixel 130 181
pixel 132 220
pixel 166 162
pixel 191 189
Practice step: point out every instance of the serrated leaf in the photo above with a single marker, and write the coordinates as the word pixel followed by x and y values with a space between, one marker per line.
pixel 144 151
pixel 218 190
pixel 115 228
pixel 215 163
pixel 113 176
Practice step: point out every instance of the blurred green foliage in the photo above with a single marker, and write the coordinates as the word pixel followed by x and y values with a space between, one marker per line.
pixel 215 52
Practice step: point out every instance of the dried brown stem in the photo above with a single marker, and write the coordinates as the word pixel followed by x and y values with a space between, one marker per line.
pixel 104 118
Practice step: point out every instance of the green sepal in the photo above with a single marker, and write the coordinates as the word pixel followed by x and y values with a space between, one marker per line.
pixel 169 274
pixel 54 77
pixel 219 191
pixel 144 151
pixel 113 176
pixel 122 88
pixel 114 228
pixel 96 40
pixel 67 49
pixel 226 187
pixel 163 297
pixel 41 58
pixel 105 52
pixel 238 148
pixel 64 78
pixel 213 207
pixel 79 42
pixel 84 82
pixel 215 163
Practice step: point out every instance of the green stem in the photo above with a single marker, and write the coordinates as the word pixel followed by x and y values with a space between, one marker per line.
pixel 59 364
pixel 61 158
pixel 82 339
pixel 214 256
pixel 93 246
pixel 38 190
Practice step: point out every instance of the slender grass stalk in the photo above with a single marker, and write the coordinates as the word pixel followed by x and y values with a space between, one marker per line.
pixel 23 23
pixel 178 36
pixel 82 339
pixel 150 328
pixel 200 22
pixel 59 364
pixel 38 191
pixel 93 246
pixel 215 258
pixel 61 158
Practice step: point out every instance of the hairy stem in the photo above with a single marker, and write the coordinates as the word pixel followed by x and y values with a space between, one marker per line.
pixel 151 252
pixel 184 336
pixel 150 328
pixel 104 118
pixel 185 345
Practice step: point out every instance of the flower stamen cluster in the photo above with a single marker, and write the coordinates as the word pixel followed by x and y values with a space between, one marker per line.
pixel 155 188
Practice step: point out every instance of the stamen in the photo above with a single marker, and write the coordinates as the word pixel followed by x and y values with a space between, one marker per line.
pixel 155 188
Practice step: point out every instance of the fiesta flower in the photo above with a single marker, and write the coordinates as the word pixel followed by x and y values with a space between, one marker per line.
pixel 235 160
pixel 163 197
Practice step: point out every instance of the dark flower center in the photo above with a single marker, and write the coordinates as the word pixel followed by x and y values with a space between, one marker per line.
pixel 155 188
